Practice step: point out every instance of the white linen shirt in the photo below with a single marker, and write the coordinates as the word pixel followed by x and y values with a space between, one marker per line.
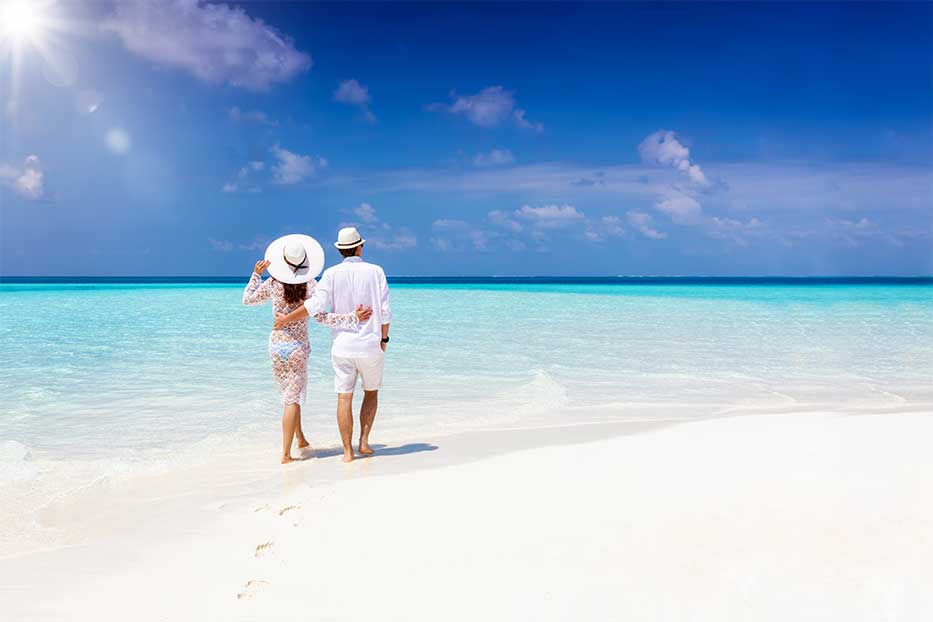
pixel 343 287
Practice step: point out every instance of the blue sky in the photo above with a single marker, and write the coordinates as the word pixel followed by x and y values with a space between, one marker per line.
pixel 180 137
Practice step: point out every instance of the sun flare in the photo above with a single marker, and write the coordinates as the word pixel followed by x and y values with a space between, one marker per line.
pixel 20 21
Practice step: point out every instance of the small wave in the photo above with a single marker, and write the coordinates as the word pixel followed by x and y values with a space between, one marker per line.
pixel 543 393
pixel 15 462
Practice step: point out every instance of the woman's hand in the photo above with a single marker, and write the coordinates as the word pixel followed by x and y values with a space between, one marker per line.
pixel 363 313
pixel 260 266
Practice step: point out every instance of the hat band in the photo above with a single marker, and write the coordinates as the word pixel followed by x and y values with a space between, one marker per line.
pixel 297 267
pixel 358 240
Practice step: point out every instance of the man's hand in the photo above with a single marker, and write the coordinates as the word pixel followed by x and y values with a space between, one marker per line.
pixel 383 346
pixel 280 321
pixel 363 313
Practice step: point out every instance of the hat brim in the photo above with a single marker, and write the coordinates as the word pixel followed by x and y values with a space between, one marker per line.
pixel 344 247
pixel 284 273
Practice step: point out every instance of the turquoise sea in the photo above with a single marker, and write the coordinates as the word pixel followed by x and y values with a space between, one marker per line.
pixel 104 380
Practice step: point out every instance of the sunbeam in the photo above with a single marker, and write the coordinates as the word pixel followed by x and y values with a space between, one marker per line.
pixel 33 28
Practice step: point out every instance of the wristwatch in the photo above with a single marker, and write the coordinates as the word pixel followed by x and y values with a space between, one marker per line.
pixel 385 340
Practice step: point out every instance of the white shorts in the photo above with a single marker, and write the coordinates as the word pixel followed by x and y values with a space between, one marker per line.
pixel 367 368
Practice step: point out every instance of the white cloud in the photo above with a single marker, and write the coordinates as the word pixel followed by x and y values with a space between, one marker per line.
pixel 519 116
pixel 378 233
pixel 663 149
pixel 605 227
pixel 292 167
pixel 458 235
pixel 504 230
pixel 550 216
pixel 220 246
pixel 398 240
pixel 736 231
pixel 598 179
pixel 496 157
pixel 259 243
pixel 287 168
pixel 243 176
pixel 641 221
pixel 854 232
pixel 250 116
pixel 491 107
pixel 215 42
pixel 26 180
pixel 366 213
pixel 354 94
pixel 682 208
pixel 896 196
pixel 447 224
pixel 862 226
pixel 502 219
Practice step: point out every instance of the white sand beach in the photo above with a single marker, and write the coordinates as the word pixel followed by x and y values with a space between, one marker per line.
pixel 803 516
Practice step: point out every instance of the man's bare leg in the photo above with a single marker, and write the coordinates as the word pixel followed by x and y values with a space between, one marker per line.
pixel 367 416
pixel 289 421
pixel 345 423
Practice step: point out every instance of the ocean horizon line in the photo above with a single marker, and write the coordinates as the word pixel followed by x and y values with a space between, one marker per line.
pixel 506 280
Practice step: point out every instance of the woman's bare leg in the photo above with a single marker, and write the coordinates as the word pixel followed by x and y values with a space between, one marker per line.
pixel 299 433
pixel 289 423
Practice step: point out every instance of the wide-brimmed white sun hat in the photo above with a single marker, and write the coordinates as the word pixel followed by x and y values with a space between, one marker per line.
pixel 348 237
pixel 295 258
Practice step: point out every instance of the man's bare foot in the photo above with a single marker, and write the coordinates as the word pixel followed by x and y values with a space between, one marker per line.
pixel 287 459
pixel 365 449
pixel 347 456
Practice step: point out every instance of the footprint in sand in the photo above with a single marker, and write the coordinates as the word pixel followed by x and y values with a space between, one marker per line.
pixel 288 508
pixel 264 550
pixel 252 588
pixel 291 513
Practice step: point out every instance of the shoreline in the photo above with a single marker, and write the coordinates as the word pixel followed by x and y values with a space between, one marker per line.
pixel 240 465
pixel 526 508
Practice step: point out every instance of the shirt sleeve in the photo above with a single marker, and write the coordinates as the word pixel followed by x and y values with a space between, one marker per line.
pixel 319 300
pixel 385 307
pixel 257 291
pixel 336 320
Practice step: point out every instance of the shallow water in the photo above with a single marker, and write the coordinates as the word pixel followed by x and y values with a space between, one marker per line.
pixel 107 381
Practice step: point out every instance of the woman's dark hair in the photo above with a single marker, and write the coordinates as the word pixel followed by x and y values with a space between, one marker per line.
pixel 295 293
pixel 349 252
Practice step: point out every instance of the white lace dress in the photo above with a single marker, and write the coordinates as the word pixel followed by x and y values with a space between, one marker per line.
pixel 288 346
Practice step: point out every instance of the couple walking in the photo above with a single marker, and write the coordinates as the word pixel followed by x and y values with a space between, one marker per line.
pixel 352 298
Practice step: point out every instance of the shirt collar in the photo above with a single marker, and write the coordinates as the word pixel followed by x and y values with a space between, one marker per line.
pixel 354 258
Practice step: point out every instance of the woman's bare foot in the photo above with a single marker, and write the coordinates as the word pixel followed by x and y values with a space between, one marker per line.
pixel 365 449
pixel 302 443
pixel 287 459
pixel 347 456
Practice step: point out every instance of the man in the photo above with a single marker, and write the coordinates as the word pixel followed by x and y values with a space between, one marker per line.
pixel 356 353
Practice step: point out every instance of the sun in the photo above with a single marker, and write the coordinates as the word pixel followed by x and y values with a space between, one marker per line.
pixel 32 39
pixel 20 21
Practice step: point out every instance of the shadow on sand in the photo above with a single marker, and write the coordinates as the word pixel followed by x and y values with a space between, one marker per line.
pixel 381 450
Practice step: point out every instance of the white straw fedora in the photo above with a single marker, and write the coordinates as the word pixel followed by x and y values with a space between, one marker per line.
pixel 349 237
pixel 295 258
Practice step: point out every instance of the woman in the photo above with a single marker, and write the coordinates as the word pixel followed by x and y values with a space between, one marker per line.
pixel 292 261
